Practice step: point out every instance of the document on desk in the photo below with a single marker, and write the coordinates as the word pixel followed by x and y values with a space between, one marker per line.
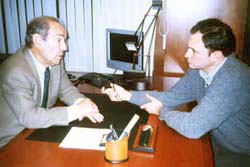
pixel 84 138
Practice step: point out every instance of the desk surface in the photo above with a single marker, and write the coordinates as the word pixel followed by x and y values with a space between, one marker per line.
pixel 172 149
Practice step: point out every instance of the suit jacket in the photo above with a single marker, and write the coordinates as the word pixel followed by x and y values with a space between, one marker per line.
pixel 223 107
pixel 20 96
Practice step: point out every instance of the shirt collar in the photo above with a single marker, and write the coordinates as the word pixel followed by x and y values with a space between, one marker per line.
pixel 38 65
pixel 209 76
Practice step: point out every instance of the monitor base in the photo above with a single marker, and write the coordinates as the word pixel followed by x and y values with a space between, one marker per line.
pixel 134 75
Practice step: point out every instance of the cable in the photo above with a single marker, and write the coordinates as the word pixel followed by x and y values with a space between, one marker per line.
pixel 163 33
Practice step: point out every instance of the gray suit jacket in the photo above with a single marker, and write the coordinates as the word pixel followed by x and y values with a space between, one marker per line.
pixel 20 96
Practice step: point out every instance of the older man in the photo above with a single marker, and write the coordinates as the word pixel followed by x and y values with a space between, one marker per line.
pixel 33 79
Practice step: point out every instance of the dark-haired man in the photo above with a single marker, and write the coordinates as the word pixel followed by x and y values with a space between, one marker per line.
pixel 220 84
pixel 26 97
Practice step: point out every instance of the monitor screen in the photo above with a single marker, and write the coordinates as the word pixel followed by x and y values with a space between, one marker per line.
pixel 120 52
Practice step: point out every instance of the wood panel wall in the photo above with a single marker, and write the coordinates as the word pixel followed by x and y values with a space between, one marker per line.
pixel 246 51
pixel 170 64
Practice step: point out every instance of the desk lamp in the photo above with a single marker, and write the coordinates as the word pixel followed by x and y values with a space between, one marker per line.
pixel 137 46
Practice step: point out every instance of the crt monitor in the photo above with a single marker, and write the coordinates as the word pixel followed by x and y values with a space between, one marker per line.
pixel 118 56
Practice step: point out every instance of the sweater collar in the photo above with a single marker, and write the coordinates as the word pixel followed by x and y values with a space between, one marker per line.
pixel 208 76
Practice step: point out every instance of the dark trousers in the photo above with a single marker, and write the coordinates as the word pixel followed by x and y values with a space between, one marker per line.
pixel 225 158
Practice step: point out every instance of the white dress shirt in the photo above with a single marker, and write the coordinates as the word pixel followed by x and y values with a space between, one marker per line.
pixel 208 76
pixel 40 70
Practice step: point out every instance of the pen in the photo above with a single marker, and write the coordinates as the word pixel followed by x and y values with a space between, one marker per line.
pixel 116 94
pixel 115 136
pixel 109 137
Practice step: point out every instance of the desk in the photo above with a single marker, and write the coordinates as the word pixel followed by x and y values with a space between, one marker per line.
pixel 172 150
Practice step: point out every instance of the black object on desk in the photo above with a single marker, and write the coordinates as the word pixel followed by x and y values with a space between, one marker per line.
pixel 96 79
pixel 71 76
pixel 103 80
pixel 117 113
pixel 144 138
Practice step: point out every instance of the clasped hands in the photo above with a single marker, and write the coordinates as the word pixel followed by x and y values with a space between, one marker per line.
pixel 118 93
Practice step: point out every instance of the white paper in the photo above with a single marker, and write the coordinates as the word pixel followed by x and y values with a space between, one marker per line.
pixel 84 138
pixel 130 125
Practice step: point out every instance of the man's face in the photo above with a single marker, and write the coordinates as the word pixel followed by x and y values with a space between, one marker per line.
pixel 53 47
pixel 197 55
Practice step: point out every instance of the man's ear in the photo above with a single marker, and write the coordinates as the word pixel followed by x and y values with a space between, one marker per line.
pixel 37 39
pixel 217 55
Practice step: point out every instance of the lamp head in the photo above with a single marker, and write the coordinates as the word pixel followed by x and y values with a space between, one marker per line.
pixel 131 46
pixel 157 4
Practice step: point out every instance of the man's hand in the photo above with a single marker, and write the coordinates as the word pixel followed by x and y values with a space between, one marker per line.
pixel 117 93
pixel 85 108
pixel 152 107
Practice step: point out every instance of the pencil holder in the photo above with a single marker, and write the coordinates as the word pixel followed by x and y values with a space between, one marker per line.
pixel 117 151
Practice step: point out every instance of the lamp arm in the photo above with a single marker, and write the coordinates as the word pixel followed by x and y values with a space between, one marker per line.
pixel 143 37
pixel 147 65
pixel 142 22
pixel 146 33
pixel 151 40
pixel 153 22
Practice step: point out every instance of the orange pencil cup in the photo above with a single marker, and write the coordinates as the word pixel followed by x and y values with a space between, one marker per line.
pixel 117 151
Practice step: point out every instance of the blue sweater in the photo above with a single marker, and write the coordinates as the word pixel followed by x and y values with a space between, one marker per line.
pixel 223 107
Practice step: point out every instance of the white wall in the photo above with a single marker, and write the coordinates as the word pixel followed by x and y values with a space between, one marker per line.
pixel 86 21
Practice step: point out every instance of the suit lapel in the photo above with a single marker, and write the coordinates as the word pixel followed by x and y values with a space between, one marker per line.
pixel 55 78
pixel 34 72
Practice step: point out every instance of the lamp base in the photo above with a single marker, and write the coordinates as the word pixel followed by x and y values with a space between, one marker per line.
pixel 140 85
